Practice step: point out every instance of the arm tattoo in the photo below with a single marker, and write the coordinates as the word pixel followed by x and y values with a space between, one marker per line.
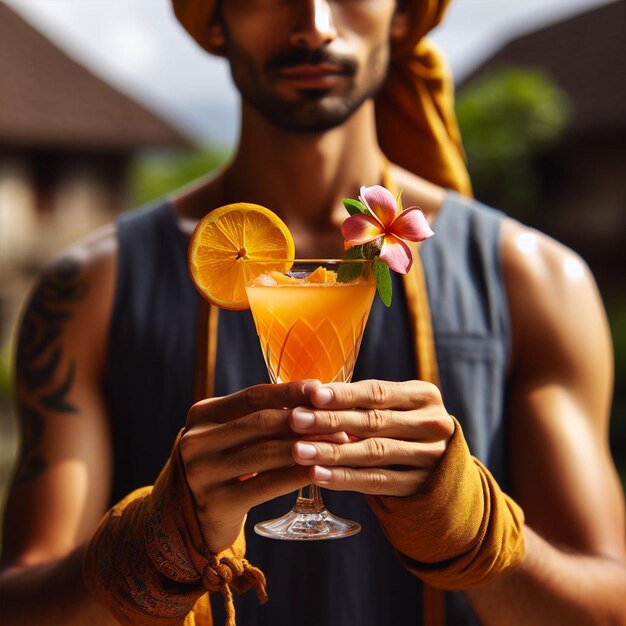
pixel 44 382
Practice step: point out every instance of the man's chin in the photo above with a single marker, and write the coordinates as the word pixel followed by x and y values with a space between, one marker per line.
pixel 308 126
pixel 311 116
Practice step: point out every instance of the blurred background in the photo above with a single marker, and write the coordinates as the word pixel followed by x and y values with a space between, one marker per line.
pixel 106 105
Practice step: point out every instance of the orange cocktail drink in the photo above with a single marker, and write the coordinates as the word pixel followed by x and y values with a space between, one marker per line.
pixel 310 324
pixel 310 316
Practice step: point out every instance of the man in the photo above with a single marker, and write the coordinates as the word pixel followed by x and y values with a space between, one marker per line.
pixel 105 369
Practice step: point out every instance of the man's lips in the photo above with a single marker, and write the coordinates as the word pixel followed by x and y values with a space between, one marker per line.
pixel 322 75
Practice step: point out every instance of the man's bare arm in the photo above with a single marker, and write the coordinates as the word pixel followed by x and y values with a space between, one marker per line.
pixel 61 486
pixel 50 594
pixel 563 476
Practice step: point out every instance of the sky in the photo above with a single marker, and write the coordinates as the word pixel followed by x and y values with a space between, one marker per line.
pixel 138 46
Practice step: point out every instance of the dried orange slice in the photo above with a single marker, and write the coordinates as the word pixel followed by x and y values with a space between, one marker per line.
pixel 223 239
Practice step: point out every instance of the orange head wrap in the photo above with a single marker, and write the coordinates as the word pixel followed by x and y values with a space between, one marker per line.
pixel 415 118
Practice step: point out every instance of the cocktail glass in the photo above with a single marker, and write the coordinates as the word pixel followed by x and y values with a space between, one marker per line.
pixel 310 321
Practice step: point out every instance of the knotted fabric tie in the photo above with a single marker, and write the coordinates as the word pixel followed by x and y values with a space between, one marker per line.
pixel 148 561
pixel 219 575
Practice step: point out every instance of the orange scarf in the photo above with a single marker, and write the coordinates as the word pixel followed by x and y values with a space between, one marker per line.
pixel 416 124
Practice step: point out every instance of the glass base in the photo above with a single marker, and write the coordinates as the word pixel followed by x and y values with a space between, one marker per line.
pixel 299 525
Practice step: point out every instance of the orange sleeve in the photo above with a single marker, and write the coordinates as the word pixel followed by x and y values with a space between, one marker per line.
pixel 460 530
pixel 148 562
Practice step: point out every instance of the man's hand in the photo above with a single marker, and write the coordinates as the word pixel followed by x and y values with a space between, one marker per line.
pixel 398 431
pixel 237 454
pixel 260 443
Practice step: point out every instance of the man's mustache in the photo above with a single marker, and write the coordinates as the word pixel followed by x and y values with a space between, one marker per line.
pixel 296 58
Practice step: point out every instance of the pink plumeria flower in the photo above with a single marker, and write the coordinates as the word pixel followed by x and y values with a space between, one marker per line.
pixel 388 221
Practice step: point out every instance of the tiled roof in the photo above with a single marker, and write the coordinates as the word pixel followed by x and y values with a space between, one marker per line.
pixel 48 100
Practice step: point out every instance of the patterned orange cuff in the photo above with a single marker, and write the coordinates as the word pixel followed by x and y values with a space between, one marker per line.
pixel 148 562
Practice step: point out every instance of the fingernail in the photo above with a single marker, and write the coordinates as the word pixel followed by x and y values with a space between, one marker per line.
pixel 341 437
pixel 306 450
pixel 322 474
pixel 310 385
pixel 245 477
pixel 323 395
pixel 302 418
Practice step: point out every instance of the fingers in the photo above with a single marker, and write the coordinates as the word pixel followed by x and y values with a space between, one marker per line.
pixel 250 400
pixel 207 470
pixel 375 452
pixel 214 437
pixel 387 482
pixel 226 498
pixel 239 450
pixel 341 437
pixel 419 425
pixel 395 424
pixel 405 395
pixel 253 414
pixel 270 485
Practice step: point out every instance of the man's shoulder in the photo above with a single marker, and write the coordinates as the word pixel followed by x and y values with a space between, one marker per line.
pixel 73 295
pixel 538 268
pixel 95 253
pixel 531 255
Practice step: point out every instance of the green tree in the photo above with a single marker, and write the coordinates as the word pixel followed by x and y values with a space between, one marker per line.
pixel 5 372
pixel 509 117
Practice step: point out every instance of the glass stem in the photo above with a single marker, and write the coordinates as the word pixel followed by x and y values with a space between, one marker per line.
pixel 309 500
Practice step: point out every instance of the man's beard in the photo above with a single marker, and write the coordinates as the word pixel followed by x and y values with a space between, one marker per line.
pixel 316 113
pixel 316 110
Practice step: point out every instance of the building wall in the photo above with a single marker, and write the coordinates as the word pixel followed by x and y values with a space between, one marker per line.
pixel 41 215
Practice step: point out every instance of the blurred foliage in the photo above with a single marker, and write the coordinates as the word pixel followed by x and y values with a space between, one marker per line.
pixel 155 176
pixel 5 372
pixel 508 118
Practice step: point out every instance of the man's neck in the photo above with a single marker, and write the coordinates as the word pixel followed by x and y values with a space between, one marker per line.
pixel 303 176
pixel 300 176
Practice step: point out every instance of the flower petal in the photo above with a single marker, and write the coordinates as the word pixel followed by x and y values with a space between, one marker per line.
pixel 381 203
pixel 396 254
pixel 411 224
pixel 360 228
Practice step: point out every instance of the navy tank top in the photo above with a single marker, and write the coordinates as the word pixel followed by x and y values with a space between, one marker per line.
pixel 149 389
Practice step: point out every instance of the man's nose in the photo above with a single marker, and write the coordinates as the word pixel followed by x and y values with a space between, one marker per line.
pixel 315 26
